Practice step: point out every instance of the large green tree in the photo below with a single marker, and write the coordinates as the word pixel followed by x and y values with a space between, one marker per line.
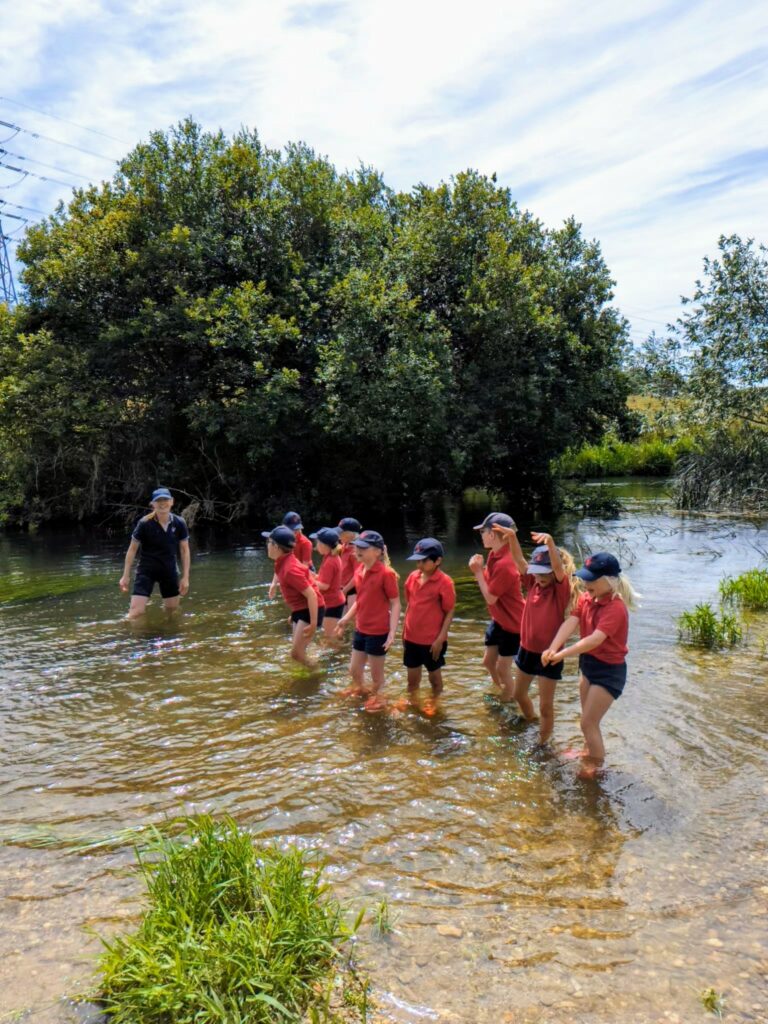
pixel 258 329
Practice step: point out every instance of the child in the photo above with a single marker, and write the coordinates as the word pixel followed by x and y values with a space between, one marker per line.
pixel 376 611
pixel 349 528
pixel 499 583
pixel 302 548
pixel 601 616
pixel 298 589
pixel 431 598
pixel 549 596
pixel 328 579
pixel 159 535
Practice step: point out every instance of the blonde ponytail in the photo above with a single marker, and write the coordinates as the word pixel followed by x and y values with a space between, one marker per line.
pixel 622 586
pixel 569 566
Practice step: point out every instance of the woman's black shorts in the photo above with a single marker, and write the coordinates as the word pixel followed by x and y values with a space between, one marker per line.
pixel 147 578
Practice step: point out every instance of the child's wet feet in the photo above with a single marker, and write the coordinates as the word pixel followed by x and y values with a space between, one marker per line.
pixel 375 703
pixel 352 691
pixel 573 754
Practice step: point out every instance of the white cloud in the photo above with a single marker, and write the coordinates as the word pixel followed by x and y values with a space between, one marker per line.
pixel 618 116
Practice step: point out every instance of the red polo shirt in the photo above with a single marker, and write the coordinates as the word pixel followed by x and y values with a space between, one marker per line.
pixel 375 587
pixel 348 562
pixel 330 573
pixel 293 578
pixel 609 615
pixel 543 613
pixel 303 548
pixel 429 600
pixel 503 579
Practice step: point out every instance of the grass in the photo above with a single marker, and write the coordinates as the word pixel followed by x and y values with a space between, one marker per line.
pixel 647 456
pixel 232 933
pixel 704 627
pixel 749 590
pixel 713 1001
pixel 383 919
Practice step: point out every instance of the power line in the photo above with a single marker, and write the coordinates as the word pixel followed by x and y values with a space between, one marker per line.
pixel 16 206
pixel 58 142
pixel 51 167
pixel 56 117
pixel 40 177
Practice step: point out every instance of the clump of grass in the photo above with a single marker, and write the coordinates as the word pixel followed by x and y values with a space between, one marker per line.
pixel 231 933
pixel 704 627
pixel 749 590
pixel 713 1001
pixel 383 918
pixel 39 588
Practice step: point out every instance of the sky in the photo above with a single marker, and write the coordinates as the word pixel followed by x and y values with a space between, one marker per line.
pixel 646 122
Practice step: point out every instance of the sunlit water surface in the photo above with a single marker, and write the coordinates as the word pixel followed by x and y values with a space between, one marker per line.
pixel 617 900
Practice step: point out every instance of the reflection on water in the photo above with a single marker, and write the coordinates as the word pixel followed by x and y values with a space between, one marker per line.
pixel 612 901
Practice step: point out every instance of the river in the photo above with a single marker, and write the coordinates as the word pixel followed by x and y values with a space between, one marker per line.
pixel 615 901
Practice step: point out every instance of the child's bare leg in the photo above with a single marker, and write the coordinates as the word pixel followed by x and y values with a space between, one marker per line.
pixel 490 663
pixel 376 666
pixel 357 672
pixel 546 708
pixel 414 681
pixel 329 632
pixel 436 682
pixel 522 683
pixel 300 644
pixel 597 702
pixel 504 674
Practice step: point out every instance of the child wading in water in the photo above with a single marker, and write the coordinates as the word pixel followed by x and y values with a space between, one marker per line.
pixel 601 616
pixel 328 580
pixel 349 529
pixel 550 590
pixel 299 591
pixel 376 611
pixel 431 598
pixel 499 583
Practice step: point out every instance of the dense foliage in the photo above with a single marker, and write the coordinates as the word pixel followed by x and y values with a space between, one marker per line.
pixel 257 329
pixel 711 374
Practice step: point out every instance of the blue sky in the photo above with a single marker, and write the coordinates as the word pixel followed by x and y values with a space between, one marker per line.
pixel 648 123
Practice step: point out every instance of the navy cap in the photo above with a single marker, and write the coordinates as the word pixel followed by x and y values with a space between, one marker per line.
pixel 596 566
pixel 496 519
pixel 159 493
pixel 540 561
pixel 369 539
pixel 293 519
pixel 350 525
pixel 327 535
pixel 427 547
pixel 282 535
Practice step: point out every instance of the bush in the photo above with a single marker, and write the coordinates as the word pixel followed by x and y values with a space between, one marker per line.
pixel 729 472
pixel 750 590
pixel 703 627
pixel 232 933
pixel 650 456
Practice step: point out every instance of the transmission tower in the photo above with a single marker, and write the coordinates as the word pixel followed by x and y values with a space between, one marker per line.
pixel 7 287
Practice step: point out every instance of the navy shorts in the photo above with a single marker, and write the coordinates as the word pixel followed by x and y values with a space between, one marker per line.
pixel 302 615
pixel 418 655
pixel 147 578
pixel 335 613
pixel 530 663
pixel 351 592
pixel 507 643
pixel 599 673
pixel 369 643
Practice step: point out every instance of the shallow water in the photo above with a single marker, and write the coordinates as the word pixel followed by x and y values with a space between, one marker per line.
pixel 614 901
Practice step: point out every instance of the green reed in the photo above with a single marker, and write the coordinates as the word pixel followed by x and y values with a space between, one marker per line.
pixel 713 1001
pixel 232 933
pixel 749 590
pixel 704 627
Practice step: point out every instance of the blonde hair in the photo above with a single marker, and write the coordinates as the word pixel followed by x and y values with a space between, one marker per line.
pixel 622 587
pixel 386 560
pixel 569 567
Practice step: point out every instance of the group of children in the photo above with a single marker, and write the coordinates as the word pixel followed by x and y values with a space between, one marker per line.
pixel 535 606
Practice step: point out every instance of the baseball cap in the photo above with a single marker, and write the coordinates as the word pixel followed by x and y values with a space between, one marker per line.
pixel 293 519
pixel 159 493
pixel 327 535
pixel 601 564
pixel 496 519
pixel 282 535
pixel 540 561
pixel 369 539
pixel 427 547
pixel 350 524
